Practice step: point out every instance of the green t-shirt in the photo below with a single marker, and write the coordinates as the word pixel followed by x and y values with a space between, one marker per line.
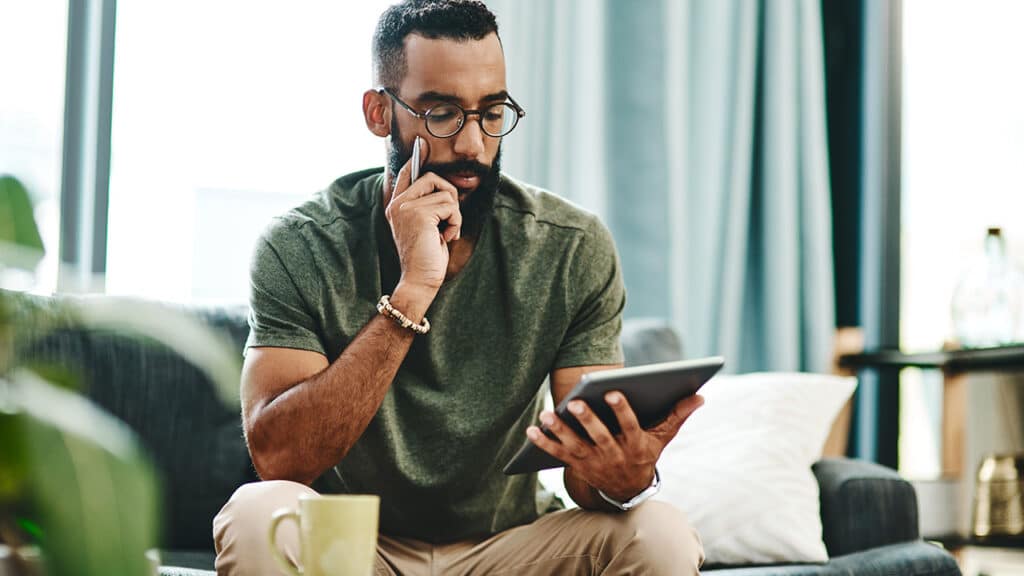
pixel 542 290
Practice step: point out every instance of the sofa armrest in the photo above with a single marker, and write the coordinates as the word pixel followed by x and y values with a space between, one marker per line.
pixel 864 505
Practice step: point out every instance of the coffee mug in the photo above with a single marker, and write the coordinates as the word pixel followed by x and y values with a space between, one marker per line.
pixel 337 535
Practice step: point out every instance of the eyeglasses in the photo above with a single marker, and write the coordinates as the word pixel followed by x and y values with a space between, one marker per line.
pixel 448 119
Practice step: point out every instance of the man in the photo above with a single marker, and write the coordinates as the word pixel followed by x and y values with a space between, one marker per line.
pixel 349 386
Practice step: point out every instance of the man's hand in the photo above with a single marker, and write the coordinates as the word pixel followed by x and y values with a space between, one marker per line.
pixel 414 212
pixel 621 466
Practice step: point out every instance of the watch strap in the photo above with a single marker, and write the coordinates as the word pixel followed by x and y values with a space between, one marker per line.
pixel 635 501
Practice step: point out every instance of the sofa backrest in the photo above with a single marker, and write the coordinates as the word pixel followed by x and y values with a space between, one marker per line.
pixel 194 440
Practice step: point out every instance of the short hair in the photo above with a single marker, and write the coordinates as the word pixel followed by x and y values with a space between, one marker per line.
pixel 449 19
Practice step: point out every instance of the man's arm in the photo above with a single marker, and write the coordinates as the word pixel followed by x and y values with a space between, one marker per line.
pixel 301 415
pixel 621 466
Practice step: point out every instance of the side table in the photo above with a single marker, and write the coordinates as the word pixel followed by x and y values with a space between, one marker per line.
pixel 955 365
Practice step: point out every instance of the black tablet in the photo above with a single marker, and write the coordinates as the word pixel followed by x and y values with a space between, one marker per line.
pixel 652 391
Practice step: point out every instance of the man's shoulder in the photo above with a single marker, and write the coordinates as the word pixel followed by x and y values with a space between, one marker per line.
pixel 520 200
pixel 347 202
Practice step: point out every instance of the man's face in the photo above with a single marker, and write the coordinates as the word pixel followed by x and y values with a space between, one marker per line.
pixel 472 75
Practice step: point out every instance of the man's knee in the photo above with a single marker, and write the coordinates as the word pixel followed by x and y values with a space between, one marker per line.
pixel 240 528
pixel 655 538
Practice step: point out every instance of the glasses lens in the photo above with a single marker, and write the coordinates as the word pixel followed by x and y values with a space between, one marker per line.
pixel 499 119
pixel 444 120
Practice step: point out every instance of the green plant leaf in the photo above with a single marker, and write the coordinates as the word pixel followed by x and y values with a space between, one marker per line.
pixel 20 243
pixel 93 490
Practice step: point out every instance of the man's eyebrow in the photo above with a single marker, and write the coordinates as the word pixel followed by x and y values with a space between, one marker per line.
pixel 434 96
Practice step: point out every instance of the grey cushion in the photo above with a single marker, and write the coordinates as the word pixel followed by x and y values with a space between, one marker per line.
pixel 649 341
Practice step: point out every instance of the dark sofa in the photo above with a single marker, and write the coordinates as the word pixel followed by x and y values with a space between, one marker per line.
pixel 869 514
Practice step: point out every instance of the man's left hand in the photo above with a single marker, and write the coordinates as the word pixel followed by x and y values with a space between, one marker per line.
pixel 621 466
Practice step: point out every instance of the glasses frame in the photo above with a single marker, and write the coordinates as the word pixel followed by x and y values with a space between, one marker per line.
pixel 520 114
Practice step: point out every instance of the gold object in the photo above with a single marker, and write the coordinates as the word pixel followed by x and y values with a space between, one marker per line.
pixel 999 498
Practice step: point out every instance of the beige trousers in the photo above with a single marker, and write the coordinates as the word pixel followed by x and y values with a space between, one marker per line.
pixel 654 538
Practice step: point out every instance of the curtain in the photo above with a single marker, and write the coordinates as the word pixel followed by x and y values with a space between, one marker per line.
pixel 696 130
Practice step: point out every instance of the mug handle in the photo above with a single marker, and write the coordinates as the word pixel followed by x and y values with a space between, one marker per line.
pixel 282 560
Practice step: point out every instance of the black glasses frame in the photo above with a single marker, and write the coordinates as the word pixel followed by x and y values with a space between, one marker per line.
pixel 520 114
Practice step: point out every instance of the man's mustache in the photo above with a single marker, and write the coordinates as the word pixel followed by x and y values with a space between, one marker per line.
pixel 459 166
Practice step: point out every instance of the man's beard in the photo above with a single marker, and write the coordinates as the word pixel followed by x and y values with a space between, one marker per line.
pixel 479 203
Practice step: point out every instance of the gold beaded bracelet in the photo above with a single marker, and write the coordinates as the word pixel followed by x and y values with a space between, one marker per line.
pixel 386 309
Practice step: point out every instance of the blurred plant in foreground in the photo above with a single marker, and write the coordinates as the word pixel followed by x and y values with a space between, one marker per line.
pixel 74 482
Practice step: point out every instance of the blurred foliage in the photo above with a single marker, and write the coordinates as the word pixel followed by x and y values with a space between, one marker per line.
pixel 73 479
pixel 20 243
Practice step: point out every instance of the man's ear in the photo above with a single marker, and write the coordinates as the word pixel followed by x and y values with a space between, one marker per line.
pixel 377 113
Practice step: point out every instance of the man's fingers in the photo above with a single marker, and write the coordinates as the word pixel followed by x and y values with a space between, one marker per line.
pixel 570 441
pixel 441 208
pixel 595 428
pixel 682 411
pixel 548 445
pixel 428 183
pixel 624 414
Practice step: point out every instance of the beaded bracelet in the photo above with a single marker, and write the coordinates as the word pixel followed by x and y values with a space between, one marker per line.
pixel 386 309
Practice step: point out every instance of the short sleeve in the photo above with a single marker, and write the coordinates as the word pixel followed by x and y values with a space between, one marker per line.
pixel 597 297
pixel 279 294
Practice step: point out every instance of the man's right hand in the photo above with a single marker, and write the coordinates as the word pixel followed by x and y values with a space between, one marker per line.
pixel 414 211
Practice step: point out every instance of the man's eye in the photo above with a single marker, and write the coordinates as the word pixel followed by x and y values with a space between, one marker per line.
pixel 442 115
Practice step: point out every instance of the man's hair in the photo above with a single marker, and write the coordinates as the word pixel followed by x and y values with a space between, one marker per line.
pixel 449 19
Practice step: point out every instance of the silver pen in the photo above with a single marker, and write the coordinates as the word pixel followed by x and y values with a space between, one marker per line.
pixel 415 160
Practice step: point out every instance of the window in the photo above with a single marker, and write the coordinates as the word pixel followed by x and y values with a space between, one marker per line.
pixel 33 45
pixel 963 171
pixel 225 114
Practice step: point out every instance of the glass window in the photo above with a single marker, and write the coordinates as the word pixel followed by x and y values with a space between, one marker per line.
pixel 33 46
pixel 225 114
pixel 963 171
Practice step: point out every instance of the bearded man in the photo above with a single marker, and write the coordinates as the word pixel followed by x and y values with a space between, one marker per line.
pixel 402 331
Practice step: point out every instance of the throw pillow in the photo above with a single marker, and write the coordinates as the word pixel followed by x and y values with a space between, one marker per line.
pixel 741 466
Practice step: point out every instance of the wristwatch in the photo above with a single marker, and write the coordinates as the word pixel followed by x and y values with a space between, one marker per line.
pixel 635 500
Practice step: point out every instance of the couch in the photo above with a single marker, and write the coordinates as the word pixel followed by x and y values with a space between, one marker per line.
pixel 869 513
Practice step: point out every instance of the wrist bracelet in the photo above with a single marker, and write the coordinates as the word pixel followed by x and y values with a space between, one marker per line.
pixel 386 309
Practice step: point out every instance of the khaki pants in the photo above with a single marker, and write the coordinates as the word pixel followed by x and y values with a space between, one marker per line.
pixel 654 538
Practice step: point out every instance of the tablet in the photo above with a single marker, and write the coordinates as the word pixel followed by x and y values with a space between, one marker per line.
pixel 652 391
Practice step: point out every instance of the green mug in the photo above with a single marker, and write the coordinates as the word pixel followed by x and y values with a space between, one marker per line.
pixel 337 535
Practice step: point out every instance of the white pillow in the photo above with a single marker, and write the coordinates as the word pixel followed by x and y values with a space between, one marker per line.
pixel 741 466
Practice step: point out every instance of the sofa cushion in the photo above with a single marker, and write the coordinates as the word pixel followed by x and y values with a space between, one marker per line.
pixel 741 466
pixel 908 559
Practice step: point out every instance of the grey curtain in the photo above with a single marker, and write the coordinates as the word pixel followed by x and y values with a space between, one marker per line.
pixel 696 130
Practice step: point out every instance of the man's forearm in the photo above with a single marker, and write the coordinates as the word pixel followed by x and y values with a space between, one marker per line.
pixel 312 425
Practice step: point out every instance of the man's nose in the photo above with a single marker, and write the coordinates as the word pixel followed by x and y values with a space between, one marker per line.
pixel 469 142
